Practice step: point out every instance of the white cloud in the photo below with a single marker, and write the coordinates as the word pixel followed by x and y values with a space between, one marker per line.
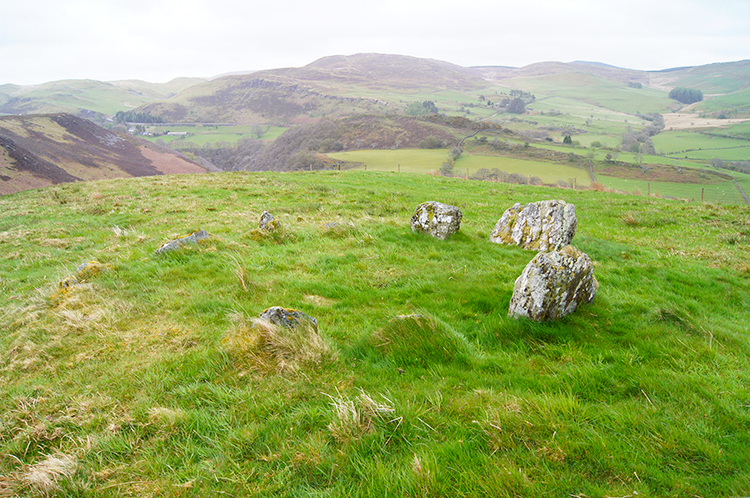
pixel 156 40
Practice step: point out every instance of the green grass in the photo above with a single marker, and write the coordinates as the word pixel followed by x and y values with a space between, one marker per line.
pixel 410 160
pixel 201 135
pixel 599 92
pixel 723 193
pixel 427 160
pixel 704 146
pixel 147 380
pixel 549 172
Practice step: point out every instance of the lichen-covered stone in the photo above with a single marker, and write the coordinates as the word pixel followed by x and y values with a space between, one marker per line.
pixel 436 219
pixel 267 222
pixel 540 226
pixel 193 238
pixel 90 269
pixel 84 272
pixel 553 284
pixel 285 317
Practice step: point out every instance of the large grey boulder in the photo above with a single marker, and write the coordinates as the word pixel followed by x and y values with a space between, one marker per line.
pixel 437 219
pixel 540 226
pixel 175 244
pixel 553 284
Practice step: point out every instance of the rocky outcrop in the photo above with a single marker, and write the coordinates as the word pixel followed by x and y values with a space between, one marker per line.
pixel 553 284
pixel 540 226
pixel 285 317
pixel 437 219
pixel 195 237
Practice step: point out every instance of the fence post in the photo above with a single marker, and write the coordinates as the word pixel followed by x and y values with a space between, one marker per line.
pixel 703 190
pixel 310 167
pixel 648 194
pixel 365 167
pixel 399 168
pixel 575 179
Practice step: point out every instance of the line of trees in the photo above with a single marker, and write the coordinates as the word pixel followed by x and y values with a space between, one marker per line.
pixel 124 117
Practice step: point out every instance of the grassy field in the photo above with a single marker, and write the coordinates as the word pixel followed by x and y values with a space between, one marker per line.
pixel 695 145
pixel 200 135
pixel 148 378
pixel 430 160
pixel 410 160
pixel 722 193
pixel 598 92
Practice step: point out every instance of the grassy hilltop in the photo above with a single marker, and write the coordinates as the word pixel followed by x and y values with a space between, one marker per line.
pixel 148 378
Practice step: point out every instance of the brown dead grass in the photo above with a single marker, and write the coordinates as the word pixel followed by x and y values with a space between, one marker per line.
pixel 170 163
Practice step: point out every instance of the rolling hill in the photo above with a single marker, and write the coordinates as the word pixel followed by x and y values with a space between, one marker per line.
pixel 332 86
pixel 41 150
pixel 86 97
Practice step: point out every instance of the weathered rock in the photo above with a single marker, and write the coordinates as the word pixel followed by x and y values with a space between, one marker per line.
pixel 553 284
pixel 175 244
pixel 541 226
pixel 437 219
pixel 285 317
pixel 84 272
pixel 267 222
pixel 90 269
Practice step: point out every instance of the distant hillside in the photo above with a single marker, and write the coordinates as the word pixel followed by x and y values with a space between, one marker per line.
pixel 711 78
pixel 86 97
pixel 378 71
pixel 42 150
pixel 542 69
pixel 332 86
pixel 303 147
pixel 726 77
pixel 256 99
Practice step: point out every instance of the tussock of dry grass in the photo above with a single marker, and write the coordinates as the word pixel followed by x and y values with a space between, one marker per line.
pixel 272 347
pixel 45 475
pixel 355 417
pixel 165 418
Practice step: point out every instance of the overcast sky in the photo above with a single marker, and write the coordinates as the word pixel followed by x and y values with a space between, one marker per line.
pixel 158 40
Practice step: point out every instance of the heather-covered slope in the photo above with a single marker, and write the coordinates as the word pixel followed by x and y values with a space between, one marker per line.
pixel 42 150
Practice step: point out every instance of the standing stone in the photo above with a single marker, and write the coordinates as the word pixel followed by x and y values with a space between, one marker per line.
pixel 285 317
pixel 193 238
pixel 437 219
pixel 541 226
pixel 553 284
pixel 267 222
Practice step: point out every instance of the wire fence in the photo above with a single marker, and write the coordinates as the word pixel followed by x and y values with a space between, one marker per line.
pixel 728 192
